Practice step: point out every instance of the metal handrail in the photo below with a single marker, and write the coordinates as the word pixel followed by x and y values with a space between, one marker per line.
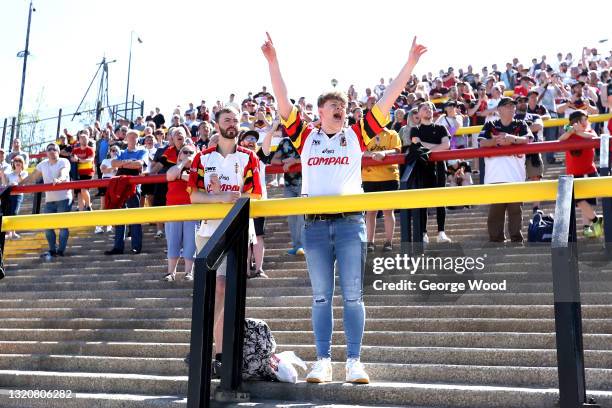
pixel 231 239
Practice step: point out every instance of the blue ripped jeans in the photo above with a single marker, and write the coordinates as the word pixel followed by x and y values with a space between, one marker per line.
pixel 342 242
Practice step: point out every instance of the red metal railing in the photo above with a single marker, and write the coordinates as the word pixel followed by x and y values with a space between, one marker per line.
pixel 539 147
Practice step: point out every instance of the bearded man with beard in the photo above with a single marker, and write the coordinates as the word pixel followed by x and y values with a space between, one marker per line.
pixel 222 174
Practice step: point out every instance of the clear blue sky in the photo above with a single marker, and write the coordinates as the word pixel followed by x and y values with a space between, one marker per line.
pixel 199 49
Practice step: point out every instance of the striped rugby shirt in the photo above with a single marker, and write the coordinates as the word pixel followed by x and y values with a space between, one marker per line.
pixel 238 171
pixel 332 165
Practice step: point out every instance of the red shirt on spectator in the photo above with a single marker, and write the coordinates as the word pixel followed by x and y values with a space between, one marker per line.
pixel 520 91
pixel 84 169
pixel 177 191
pixel 579 162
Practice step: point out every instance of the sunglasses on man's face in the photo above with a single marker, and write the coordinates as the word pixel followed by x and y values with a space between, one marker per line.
pixel 251 139
pixel 187 152
pixel 52 149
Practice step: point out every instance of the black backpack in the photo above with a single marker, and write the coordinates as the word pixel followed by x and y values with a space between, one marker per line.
pixel 540 228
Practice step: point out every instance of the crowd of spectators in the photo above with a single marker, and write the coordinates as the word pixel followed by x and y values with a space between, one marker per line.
pixel 430 111
pixel 218 153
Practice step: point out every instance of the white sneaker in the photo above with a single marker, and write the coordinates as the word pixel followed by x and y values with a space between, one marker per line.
pixel 355 372
pixel 321 371
pixel 425 238
pixel 98 230
pixel 109 228
pixel 443 238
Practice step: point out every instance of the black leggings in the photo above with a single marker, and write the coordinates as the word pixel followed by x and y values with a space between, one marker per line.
pixel 434 175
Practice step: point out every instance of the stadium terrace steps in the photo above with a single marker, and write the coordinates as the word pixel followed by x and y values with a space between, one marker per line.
pixel 110 331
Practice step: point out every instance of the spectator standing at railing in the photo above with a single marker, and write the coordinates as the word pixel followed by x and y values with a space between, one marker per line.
pixel 54 170
pixel 248 139
pixel 452 121
pixel 203 135
pixel 129 163
pixel 102 148
pixel 286 155
pixel 505 131
pixel 180 235
pixel 108 171
pixel 4 166
pixel 381 178
pixel 16 151
pixel 222 174
pixel 435 138
pixel 14 177
pixel 578 101
pixel 581 164
pixel 162 162
pixel 83 157
pixel 119 139
pixel 148 190
pixel 331 165
pixel 533 162
pixel 413 121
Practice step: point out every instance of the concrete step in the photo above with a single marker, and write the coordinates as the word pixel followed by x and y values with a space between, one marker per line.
pixel 379 392
pixel 599 326
pixel 597 378
pixel 387 354
pixel 381 338
pixel 373 312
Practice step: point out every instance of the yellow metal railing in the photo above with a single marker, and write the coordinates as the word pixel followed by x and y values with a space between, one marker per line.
pixel 547 123
pixel 424 198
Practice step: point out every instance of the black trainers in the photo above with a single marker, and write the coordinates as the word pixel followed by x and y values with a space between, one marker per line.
pixel 371 247
pixel 388 247
pixel 114 251
pixel 216 369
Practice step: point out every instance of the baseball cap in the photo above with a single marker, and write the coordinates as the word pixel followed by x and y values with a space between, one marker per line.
pixel 533 92
pixel 504 100
pixel 449 103
pixel 528 78
pixel 243 135
pixel 520 98
pixel 581 83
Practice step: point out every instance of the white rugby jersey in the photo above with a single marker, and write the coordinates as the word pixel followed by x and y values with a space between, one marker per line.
pixel 332 165
pixel 238 171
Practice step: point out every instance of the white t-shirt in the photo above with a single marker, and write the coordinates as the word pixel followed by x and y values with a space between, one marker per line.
pixel 107 163
pixel 52 171
pixel 13 178
pixel 6 168
pixel 492 104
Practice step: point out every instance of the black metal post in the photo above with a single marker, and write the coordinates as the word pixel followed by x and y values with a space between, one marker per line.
pixel 98 110
pixel 26 52
pixel 231 239
pixel 606 202
pixel 4 132
pixel 5 206
pixel 405 214
pixel 200 367
pixel 13 125
pixel 59 124
pixel 132 109
pixel 233 320
pixel 142 108
pixel 566 286
pixel 481 170
pixel 37 200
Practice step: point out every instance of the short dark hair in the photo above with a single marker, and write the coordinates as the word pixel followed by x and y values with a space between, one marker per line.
pixel 577 116
pixel 227 109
